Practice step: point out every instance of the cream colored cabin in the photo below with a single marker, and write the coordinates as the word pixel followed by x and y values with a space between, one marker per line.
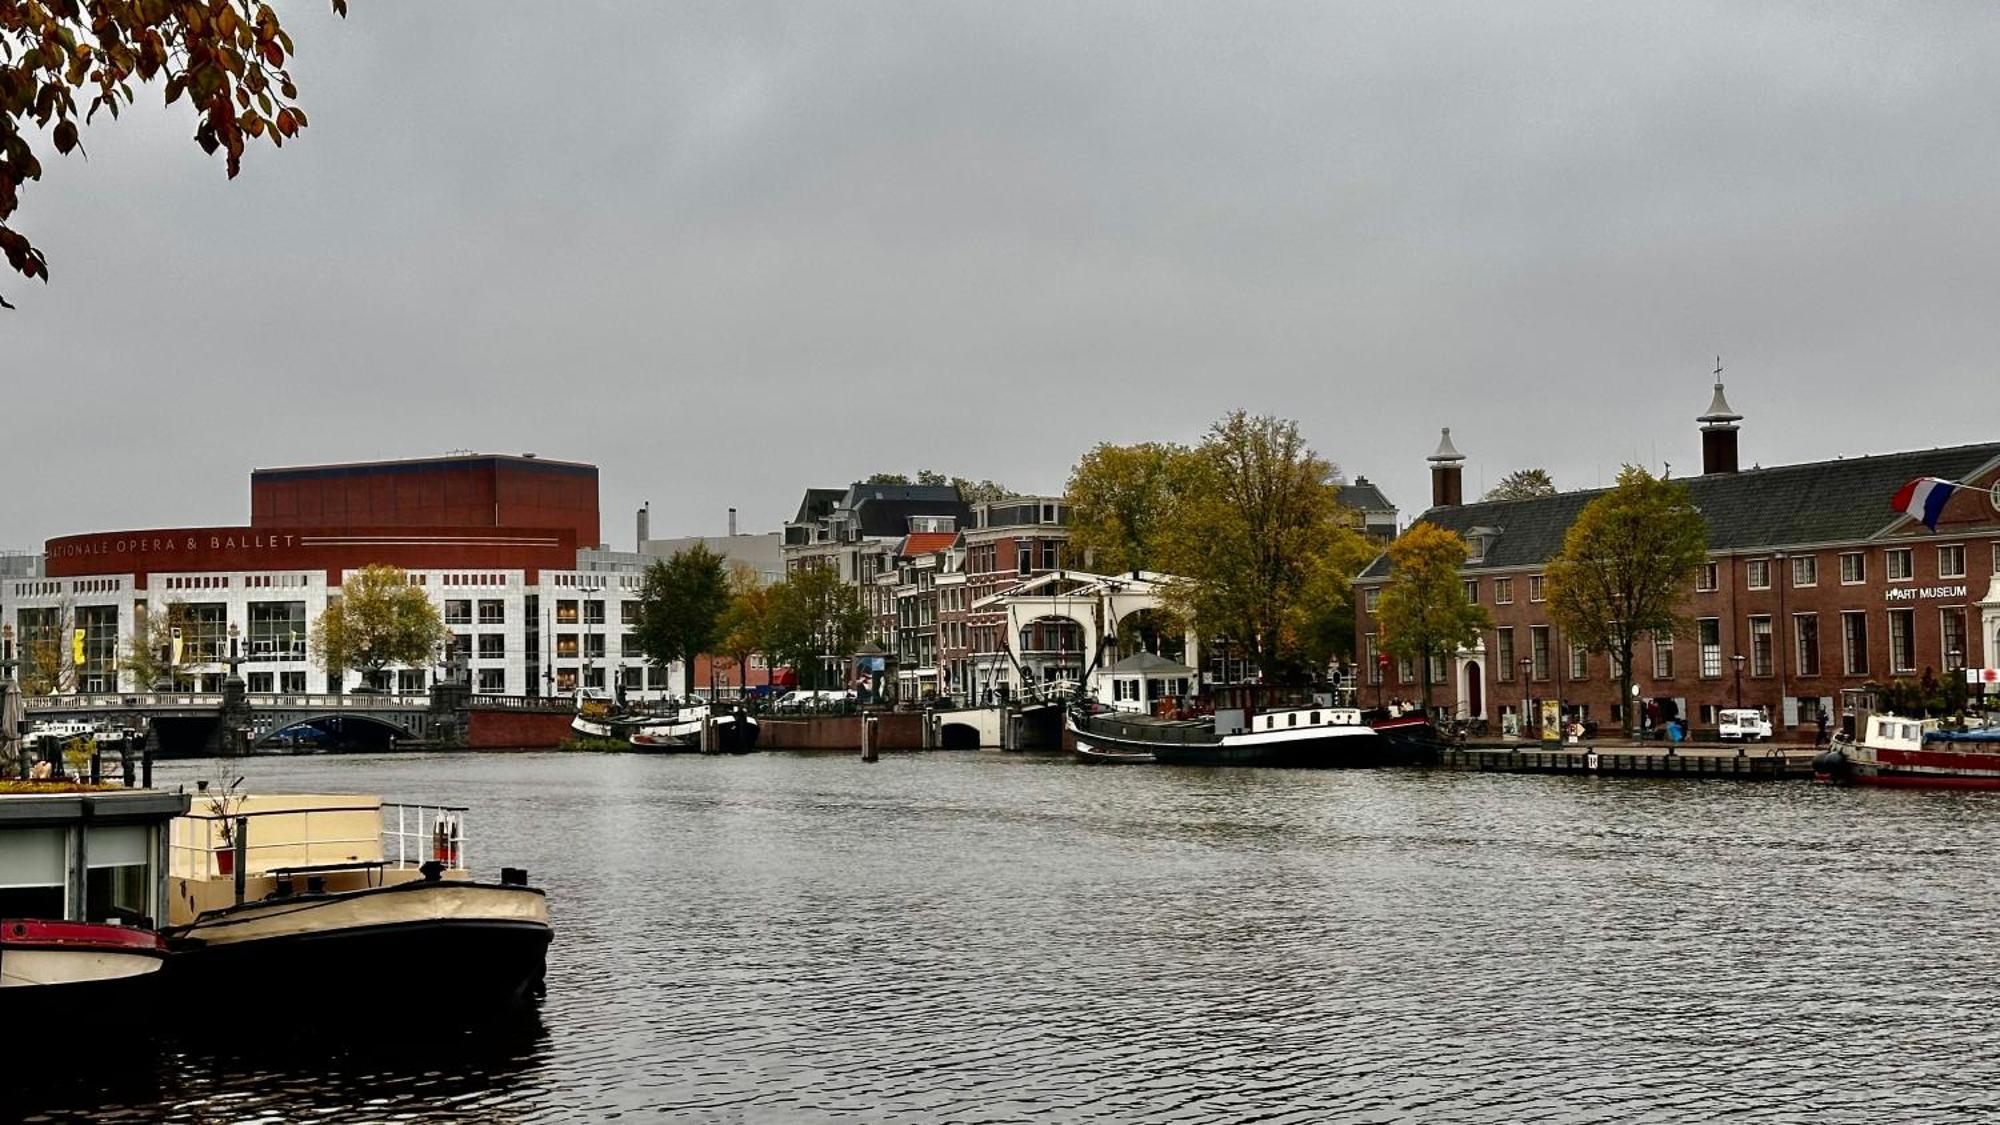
pixel 293 844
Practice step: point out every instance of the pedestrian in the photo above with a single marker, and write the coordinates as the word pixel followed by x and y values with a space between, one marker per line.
pixel 1820 720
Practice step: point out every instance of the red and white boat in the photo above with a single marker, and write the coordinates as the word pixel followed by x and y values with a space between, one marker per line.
pixel 1894 750
pixel 75 972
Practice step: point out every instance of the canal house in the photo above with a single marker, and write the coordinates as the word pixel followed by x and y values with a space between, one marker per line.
pixel 1814 584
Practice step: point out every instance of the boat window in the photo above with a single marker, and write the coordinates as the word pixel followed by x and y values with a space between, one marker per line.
pixel 31 873
pixel 1315 719
pixel 1292 719
pixel 115 888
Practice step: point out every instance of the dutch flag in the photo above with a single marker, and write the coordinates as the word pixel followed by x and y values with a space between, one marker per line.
pixel 1924 499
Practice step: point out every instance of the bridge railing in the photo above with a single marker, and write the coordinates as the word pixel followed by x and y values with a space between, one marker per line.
pixel 112 702
pixel 522 703
pixel 258 701
pixel 295 702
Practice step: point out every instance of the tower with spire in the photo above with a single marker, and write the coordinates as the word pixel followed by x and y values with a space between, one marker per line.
pixel 1447 474
pixel 1718 431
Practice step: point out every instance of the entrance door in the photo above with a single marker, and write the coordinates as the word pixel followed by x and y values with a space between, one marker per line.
pixel 1475 691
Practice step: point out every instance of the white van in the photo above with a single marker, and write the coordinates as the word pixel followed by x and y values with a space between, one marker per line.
pixel 1746 724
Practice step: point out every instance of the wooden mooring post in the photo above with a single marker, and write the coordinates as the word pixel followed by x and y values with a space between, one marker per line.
pixel 868 737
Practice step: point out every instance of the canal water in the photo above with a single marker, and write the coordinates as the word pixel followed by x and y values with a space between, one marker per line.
pixel 980 937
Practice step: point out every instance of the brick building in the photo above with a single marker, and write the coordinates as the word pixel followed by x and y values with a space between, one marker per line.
pixel 1813 584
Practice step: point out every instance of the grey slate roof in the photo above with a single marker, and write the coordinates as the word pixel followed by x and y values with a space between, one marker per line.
pixel 1364 496
pixel 817 503
pixel 1146 663
pixel 885 509
pixel 1788 506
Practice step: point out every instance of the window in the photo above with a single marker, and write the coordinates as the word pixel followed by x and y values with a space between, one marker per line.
pixel 1534 587
pixel 566 611
pixel 292 683
pixel 1951 631
pixel 1406 671
pixel 409 681
pixel 1024 556
pixel 1579 662
pixel 261 683
pixel 1663 657
pixel 1503 654
pixel 628 644
pixel 593 676
pixel 492 611
pixel 492 681
pixel 1437 668
pixel 1759 574
pixel 1902 640
pixel 1705 579
pixel 1538 651
pixel 1370 597
pixel 204 633
pixel 628 613
pixel 1897 560
pixel 116 887
pixel 278 629
pixel 593 612
pixel 1049 554
pixel 1472 591
pixel 1951 561
pixel 593 646
pixel 1708 641
pixel 1805 643
pixel 33 872
pixel 492 646
pixel 1996 556
pixel 1503 590
pixel 1854 643
pixel 1805 571
pixel 1853 568
pixel 566 646
pixel 1372 654
pixel 1760 646
pixel 458 611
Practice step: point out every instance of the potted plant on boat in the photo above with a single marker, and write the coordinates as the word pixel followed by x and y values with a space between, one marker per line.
pixel 223 805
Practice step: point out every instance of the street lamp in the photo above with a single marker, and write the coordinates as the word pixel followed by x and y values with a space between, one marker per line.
pixel 1527 672
pixel 1953 660
pixel 1738 661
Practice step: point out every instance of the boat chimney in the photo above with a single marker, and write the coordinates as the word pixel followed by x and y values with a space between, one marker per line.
pixel 645 525
pixel 732 522
pixel 1447 474
pixel 1718 431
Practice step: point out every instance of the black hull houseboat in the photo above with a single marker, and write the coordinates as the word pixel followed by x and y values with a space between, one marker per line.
pixel 1305 737
pixel 348 904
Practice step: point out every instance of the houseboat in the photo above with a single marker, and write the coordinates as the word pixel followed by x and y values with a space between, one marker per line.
pixel 734 731
pixel 82 878
pixel 1309 736
pixel 1894 750
pixel 339 904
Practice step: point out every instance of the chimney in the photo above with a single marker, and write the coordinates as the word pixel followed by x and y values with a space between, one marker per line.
pixel 732 523
pixel 645 525
pixel 1447 474
pixel 1718 433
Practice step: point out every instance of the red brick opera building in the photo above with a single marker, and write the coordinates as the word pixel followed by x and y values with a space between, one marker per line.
pixel 1813 584
pixel 493 539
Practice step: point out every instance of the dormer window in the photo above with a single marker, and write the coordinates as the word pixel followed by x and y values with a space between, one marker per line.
pixel 1477 541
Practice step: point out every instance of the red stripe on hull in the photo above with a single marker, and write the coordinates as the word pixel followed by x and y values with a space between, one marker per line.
pixel 1939 760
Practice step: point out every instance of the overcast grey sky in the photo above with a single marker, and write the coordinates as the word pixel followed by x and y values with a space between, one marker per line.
pixel 730 250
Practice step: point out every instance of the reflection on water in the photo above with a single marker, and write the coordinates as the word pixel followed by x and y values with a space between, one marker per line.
pixel 984 938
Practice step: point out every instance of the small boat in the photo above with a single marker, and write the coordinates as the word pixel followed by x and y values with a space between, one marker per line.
pixel 735 732
pixel 1097 756
pixel 1310 737
pixel 80 885
pixel 1412 731
pixel 345 903
pixel 1895 750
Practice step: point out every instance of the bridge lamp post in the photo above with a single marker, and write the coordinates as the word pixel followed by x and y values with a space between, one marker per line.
pixel 1527 690
pixel 1737 660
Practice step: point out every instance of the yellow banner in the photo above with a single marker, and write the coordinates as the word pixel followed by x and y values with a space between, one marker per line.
pixel 1552 719
pixel 176 658
pixel 76 648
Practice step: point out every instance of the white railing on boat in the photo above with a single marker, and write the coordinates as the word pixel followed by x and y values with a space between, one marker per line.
pixel 407 835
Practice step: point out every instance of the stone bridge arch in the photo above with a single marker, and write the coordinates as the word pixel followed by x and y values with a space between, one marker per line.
pixel 352 728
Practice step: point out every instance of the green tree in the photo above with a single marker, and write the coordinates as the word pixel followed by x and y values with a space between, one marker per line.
pixel 814 619
pixel 680 603
pixel 1626 566
pixel 1523 484
pixel 978 491
pixel 149 651
pixel 44 649
pixel 1423 612
pixel 1322 620
pixel 745 625
pixel 1255 518
pixel 1121 500
pixel 380 619
pixel 227 57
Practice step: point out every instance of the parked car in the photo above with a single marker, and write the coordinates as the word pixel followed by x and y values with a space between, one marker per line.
pixel 1746 724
